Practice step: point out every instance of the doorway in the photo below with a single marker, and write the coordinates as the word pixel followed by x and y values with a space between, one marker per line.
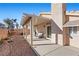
pixel 48 32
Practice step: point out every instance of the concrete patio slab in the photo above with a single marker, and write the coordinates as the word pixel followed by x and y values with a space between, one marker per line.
pixel 38 41
pixel 65 51
pixel 45 49
pixel 56 50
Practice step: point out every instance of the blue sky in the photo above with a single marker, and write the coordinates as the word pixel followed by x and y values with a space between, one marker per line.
pixel 16 10
pixel 72 6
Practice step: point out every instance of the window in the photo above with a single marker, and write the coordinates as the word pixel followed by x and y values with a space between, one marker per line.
pixel 73 30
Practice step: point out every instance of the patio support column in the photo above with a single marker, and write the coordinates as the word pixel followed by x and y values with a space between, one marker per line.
pixel 23 31
pixel 31 34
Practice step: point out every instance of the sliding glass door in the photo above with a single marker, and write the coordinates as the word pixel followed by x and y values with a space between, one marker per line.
pixel 48 31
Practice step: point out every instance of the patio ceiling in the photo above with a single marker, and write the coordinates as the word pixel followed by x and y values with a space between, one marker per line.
pixel 35 19
pixel 72 23
pixel 40 20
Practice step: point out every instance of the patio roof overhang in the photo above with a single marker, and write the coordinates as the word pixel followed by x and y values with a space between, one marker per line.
pixel 40 20
pixel 71 23
pixel 25 19
pixel 35 19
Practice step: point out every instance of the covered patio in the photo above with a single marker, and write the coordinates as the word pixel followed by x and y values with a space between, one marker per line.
pixel 38 29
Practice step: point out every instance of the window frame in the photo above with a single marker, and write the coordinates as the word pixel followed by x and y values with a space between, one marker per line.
pixel 73 30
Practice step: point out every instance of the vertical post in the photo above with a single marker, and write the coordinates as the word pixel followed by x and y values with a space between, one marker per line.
pixel 31 34
pixel 23 31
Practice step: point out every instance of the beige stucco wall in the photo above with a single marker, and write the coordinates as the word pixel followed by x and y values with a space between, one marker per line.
pixel 73 18
pixel 41 28
pixel 74 41
pixel 60 39
pixel 46 15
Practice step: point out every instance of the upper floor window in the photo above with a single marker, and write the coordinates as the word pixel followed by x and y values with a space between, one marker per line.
pixel 73 30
